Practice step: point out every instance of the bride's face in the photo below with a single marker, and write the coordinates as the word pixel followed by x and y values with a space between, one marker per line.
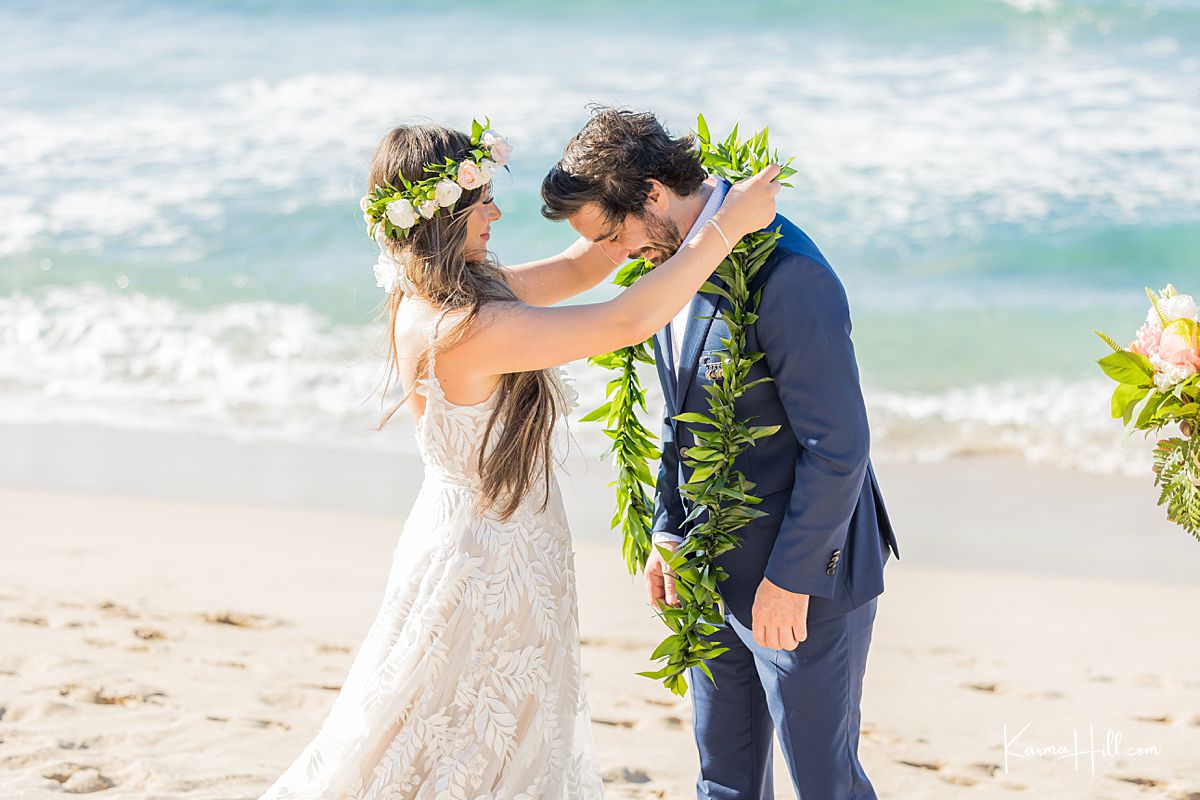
pixel 479 225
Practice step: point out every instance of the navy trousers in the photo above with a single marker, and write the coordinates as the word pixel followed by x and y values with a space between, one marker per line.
pixel 810 696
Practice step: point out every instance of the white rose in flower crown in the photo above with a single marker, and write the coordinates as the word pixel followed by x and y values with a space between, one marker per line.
pixel 487 168
pixel 469 177
pixel 427 208
pixel 446 193
pixel 501 149
pixel 401 213
pixel 388 273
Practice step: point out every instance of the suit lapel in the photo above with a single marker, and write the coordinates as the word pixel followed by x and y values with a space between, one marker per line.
pixel 704 306
pixel 664 360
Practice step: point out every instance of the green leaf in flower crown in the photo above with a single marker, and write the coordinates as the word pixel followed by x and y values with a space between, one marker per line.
pixel 1128 367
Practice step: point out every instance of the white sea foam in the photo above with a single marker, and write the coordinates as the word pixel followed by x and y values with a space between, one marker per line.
pixel 903 148
pixel 275 371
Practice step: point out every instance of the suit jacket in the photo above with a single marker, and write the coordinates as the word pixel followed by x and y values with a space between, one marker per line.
pixel 826 533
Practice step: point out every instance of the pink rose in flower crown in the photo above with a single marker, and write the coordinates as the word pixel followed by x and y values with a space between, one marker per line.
pixel 501 149
pixel 469 176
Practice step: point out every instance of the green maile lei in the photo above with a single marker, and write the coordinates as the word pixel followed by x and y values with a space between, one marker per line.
pixel 721 496
pixel 1142 407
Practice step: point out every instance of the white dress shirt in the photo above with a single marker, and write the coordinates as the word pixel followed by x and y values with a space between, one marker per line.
pixel 678 325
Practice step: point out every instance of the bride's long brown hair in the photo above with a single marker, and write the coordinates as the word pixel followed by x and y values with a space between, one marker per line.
pixel 435 261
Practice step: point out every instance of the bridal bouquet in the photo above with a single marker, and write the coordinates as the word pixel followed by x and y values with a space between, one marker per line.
pixel 1158 383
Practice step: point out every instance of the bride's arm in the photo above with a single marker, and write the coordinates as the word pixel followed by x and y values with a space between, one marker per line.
pixel 551 280
pixel 515 337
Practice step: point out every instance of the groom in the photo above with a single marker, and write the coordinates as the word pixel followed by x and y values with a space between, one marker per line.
pixel 803 584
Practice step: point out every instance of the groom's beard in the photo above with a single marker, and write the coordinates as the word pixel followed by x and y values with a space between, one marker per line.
pixel 664 238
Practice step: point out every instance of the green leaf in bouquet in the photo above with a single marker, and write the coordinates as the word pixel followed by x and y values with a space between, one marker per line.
pixel 1177 467
pixel 1146 416
pixel 1128 368
pixel 1124 397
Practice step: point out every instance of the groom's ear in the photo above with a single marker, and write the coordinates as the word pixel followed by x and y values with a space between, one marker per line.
pixel 657 197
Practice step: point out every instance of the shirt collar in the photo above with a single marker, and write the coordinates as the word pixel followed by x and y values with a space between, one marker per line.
pixel 710 208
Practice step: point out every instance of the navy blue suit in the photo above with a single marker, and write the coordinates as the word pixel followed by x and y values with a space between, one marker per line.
pixel 826 533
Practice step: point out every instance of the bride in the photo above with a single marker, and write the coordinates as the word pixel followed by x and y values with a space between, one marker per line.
pixel 468 684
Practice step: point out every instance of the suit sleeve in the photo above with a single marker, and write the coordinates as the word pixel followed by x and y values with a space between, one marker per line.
pixel 668 506
pixel 804 331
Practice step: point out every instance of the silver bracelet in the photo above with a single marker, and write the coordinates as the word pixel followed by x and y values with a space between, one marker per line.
pixel 721 233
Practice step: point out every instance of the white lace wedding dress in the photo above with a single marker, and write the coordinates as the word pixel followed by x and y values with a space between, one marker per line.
pixel 468 684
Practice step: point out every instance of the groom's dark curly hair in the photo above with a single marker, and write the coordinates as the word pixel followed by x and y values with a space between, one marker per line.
pixel 611 161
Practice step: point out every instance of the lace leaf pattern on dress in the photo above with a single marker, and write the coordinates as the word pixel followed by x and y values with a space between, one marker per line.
pixel 468 684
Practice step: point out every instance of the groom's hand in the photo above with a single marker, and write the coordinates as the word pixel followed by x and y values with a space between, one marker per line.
pixel 780 617
pixel 660 583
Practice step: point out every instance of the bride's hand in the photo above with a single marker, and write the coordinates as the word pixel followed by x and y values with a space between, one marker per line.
pixel 750 204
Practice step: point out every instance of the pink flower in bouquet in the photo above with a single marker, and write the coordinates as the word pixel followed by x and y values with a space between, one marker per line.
pixel 1147 341
pixel 1178 345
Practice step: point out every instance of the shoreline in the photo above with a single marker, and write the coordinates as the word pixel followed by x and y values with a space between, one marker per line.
pixel 982 513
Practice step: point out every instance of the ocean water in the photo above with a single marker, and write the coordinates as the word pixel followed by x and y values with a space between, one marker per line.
pixel 181 247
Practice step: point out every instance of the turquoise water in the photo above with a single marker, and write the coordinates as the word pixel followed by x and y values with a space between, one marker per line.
pixel 180 243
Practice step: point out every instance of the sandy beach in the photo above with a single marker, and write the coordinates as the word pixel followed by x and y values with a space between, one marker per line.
pixel 157 647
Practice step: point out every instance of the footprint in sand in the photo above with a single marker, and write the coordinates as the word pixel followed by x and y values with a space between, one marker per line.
pixel 149 634
pixel 269 723
pixel 29 619
pixel 284 699
pixel 110 696
pixel 981 686
pixel 614 644
pixel 958 780
pixel 932 766
pixel 615 723
pixel 239 620
pixel 79 778
pixel 1148 783
pixel 117 610
pixel 332 648
pixel 1162 719
pixel 626 775
pixel 74 744
pixel 657 701
pixel 987 769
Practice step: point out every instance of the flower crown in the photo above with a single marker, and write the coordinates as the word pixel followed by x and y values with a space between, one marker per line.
pixel 391 212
